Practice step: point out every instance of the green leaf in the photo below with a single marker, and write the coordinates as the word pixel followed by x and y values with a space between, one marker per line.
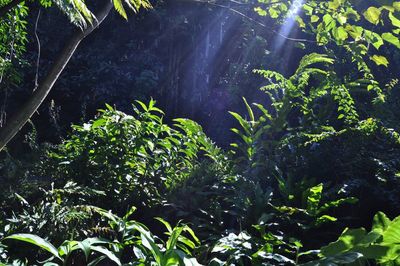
pixel 249 110
pixel 348 258
pixel 173 238
pixel 273 13
pixel 82 8
pixel 171 258
pixel 348 240
pixel 389 37
pixel 325 219
pixel 391 257
pixel 308 10
pixel 392 233
pixel 260 11
pixel 334 4
pixel 313 198
pixel 191 233
pixel 242 122
pixel 340 33
pixel 355 31
pixel 37 241
pixel 300 22
pixel 337 203
pixel 395 21
pixel 166 224
pixel 149 243
pixel 314 18
pixel 372 14
pixel 380 222
pixel 396 5
pixel 380 60
pixel 120 8
pixel 108 253
pixel 374 38
pixel 129 213
pixel 329 22
pixel 85 247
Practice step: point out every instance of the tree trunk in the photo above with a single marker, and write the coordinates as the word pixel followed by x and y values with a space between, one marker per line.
pixel 18 120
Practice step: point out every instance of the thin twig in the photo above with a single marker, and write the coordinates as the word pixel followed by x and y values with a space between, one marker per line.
pixel 255 21
pixel 38 55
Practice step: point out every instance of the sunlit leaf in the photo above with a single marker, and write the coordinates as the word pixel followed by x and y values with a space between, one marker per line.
pixel 380 60
pixel 372 14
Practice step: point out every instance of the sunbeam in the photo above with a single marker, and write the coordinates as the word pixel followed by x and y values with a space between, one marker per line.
pixel 288 24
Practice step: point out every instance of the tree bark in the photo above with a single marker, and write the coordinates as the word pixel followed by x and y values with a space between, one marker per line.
pixel 18 120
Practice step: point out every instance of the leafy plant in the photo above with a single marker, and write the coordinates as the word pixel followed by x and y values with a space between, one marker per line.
pixel 148 249
pixel 121 153
pixel 62 254
pixel 59 214
pixel 358 245
pixel 311 206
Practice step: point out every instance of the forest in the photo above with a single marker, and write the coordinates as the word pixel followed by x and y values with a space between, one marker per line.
pixel 200 132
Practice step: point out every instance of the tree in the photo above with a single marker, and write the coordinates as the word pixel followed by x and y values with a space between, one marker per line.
pixel 87 22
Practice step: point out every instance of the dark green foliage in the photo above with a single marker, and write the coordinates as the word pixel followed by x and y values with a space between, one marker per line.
pixel 138 158
pixel 147 249
pixel 59 215
pixel 315 156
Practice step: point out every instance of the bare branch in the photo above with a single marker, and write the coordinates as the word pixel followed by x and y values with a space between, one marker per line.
pixel 38 56
pixel 254 20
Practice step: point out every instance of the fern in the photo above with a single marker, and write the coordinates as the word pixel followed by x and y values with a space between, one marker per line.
pixel 346 105
pixel 371 84
pixel 80 6
pixel 133 5
pixel 79 14
pixel 312 59
pixel 120 8
pixel 76 11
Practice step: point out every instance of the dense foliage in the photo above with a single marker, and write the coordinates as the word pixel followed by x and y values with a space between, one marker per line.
pixel 308 175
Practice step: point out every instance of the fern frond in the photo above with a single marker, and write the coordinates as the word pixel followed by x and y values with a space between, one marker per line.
pixel 140 4
pixel 313 58
pixel 346 104
pixel 268 74
pixel 120 8
pixel 133 5
pixel 81 7
pixel 76 11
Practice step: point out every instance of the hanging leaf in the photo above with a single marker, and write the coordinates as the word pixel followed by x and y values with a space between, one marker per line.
pixel 120 8
pixel 389 37
pixel 395 21
pixel 372 15
pixel 314 18
pixel 374 38
pixel 340 34
pixel 396 5
pixel 380 60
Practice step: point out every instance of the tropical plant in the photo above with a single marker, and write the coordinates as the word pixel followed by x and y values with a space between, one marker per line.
pixel 79 14
pixel 122 236
pixel 359 246
pixel 63 254
pixel 349 24
pixel 59 214
pixel 120 153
